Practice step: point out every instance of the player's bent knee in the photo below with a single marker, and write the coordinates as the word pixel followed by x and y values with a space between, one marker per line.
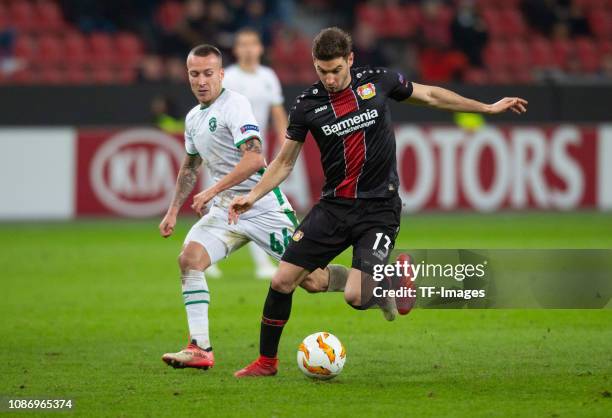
pixel 193 258
pixel 187 261
pixel 288 277
pixel 353 299
pixel 280 285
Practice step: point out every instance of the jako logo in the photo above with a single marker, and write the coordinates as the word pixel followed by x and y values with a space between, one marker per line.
pixel 134 172
pixel 320 109
pixel 350 124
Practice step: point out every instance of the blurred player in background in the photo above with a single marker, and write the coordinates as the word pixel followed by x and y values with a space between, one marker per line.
pixel 261 86
pixel 221 132
pixel 347 113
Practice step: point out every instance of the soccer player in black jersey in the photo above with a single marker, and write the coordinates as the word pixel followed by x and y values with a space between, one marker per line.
pixel 347 113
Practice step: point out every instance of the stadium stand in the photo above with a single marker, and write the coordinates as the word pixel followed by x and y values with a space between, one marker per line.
pixel 470 41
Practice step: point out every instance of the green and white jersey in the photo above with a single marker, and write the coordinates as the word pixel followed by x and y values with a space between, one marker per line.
pixel 216 133
pixel 261 87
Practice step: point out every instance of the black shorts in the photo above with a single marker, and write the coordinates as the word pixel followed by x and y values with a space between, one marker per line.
pixel 370 226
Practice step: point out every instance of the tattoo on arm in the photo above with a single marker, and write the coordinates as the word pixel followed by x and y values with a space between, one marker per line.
pixel 187 179
pixel 252 145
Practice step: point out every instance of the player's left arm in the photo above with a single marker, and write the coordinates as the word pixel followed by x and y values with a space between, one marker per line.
pixel 252 161
pixel 441 98
pixel 279 120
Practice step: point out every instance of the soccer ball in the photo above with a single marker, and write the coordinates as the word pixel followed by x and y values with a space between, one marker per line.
pixel 321 356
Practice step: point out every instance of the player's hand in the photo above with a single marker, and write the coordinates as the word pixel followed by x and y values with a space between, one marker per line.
pixel 166 226
pixel 200 200
pixel 238 206
pixel 515 104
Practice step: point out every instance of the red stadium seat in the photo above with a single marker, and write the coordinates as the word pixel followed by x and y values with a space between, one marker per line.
pixel 50 75
pixel 562 50
pixel 475 76
pixel 24 76
pixel 102 75
pixel 370 15
pixel 306 75
pixel 76 74
pixel 75 49
pixel 50 50
pixel 524 76
pixel 512 23
pixel 446 15
pixel 518 52
pixel 413 16
pixel 394 24
pixel 169 15
pixel 129 49
pixel 492 18
pixel 24 47
pixel 290 55
pixel 302 54
pixel 437 28
pixel 541 53
pixel 4 17
pixel 126 75
pixel 500 77
pixel 605 47
pixel 102 48
pixel 48 16
pixel 587 53
pixel 495 56
pixel 588 5
pixel 285 75
pixel 600 22
pixel 21 14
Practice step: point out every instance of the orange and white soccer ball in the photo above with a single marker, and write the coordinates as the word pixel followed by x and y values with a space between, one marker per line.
pixel 321 356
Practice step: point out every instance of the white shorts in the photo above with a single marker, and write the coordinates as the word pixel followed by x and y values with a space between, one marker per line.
pixel 270 230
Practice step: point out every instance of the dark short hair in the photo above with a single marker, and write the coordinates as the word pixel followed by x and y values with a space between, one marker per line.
pixel 247 30
pixel 331 43
pixel 205 50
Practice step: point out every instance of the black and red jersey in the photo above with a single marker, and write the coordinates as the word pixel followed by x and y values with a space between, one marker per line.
pixel 354 132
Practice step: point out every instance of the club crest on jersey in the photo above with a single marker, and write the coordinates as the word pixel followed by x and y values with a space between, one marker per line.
pixel 297 236
pixel 245 128
pixel 212 124
pixel 367 91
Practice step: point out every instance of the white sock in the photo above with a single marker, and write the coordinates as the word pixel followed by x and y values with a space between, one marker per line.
pixel 196 298
pixel 260 257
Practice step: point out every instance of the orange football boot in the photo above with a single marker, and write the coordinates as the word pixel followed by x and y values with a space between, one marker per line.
pixel 263 366
pixel 190 356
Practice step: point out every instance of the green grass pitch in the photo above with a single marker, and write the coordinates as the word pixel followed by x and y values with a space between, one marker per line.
pixel 88 308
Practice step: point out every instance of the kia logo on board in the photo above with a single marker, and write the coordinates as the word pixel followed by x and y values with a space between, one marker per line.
pixel 134 172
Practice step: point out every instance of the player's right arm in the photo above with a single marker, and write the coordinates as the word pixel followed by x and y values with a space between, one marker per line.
pixel 185 182
pixel 281 166
pixel 274 175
